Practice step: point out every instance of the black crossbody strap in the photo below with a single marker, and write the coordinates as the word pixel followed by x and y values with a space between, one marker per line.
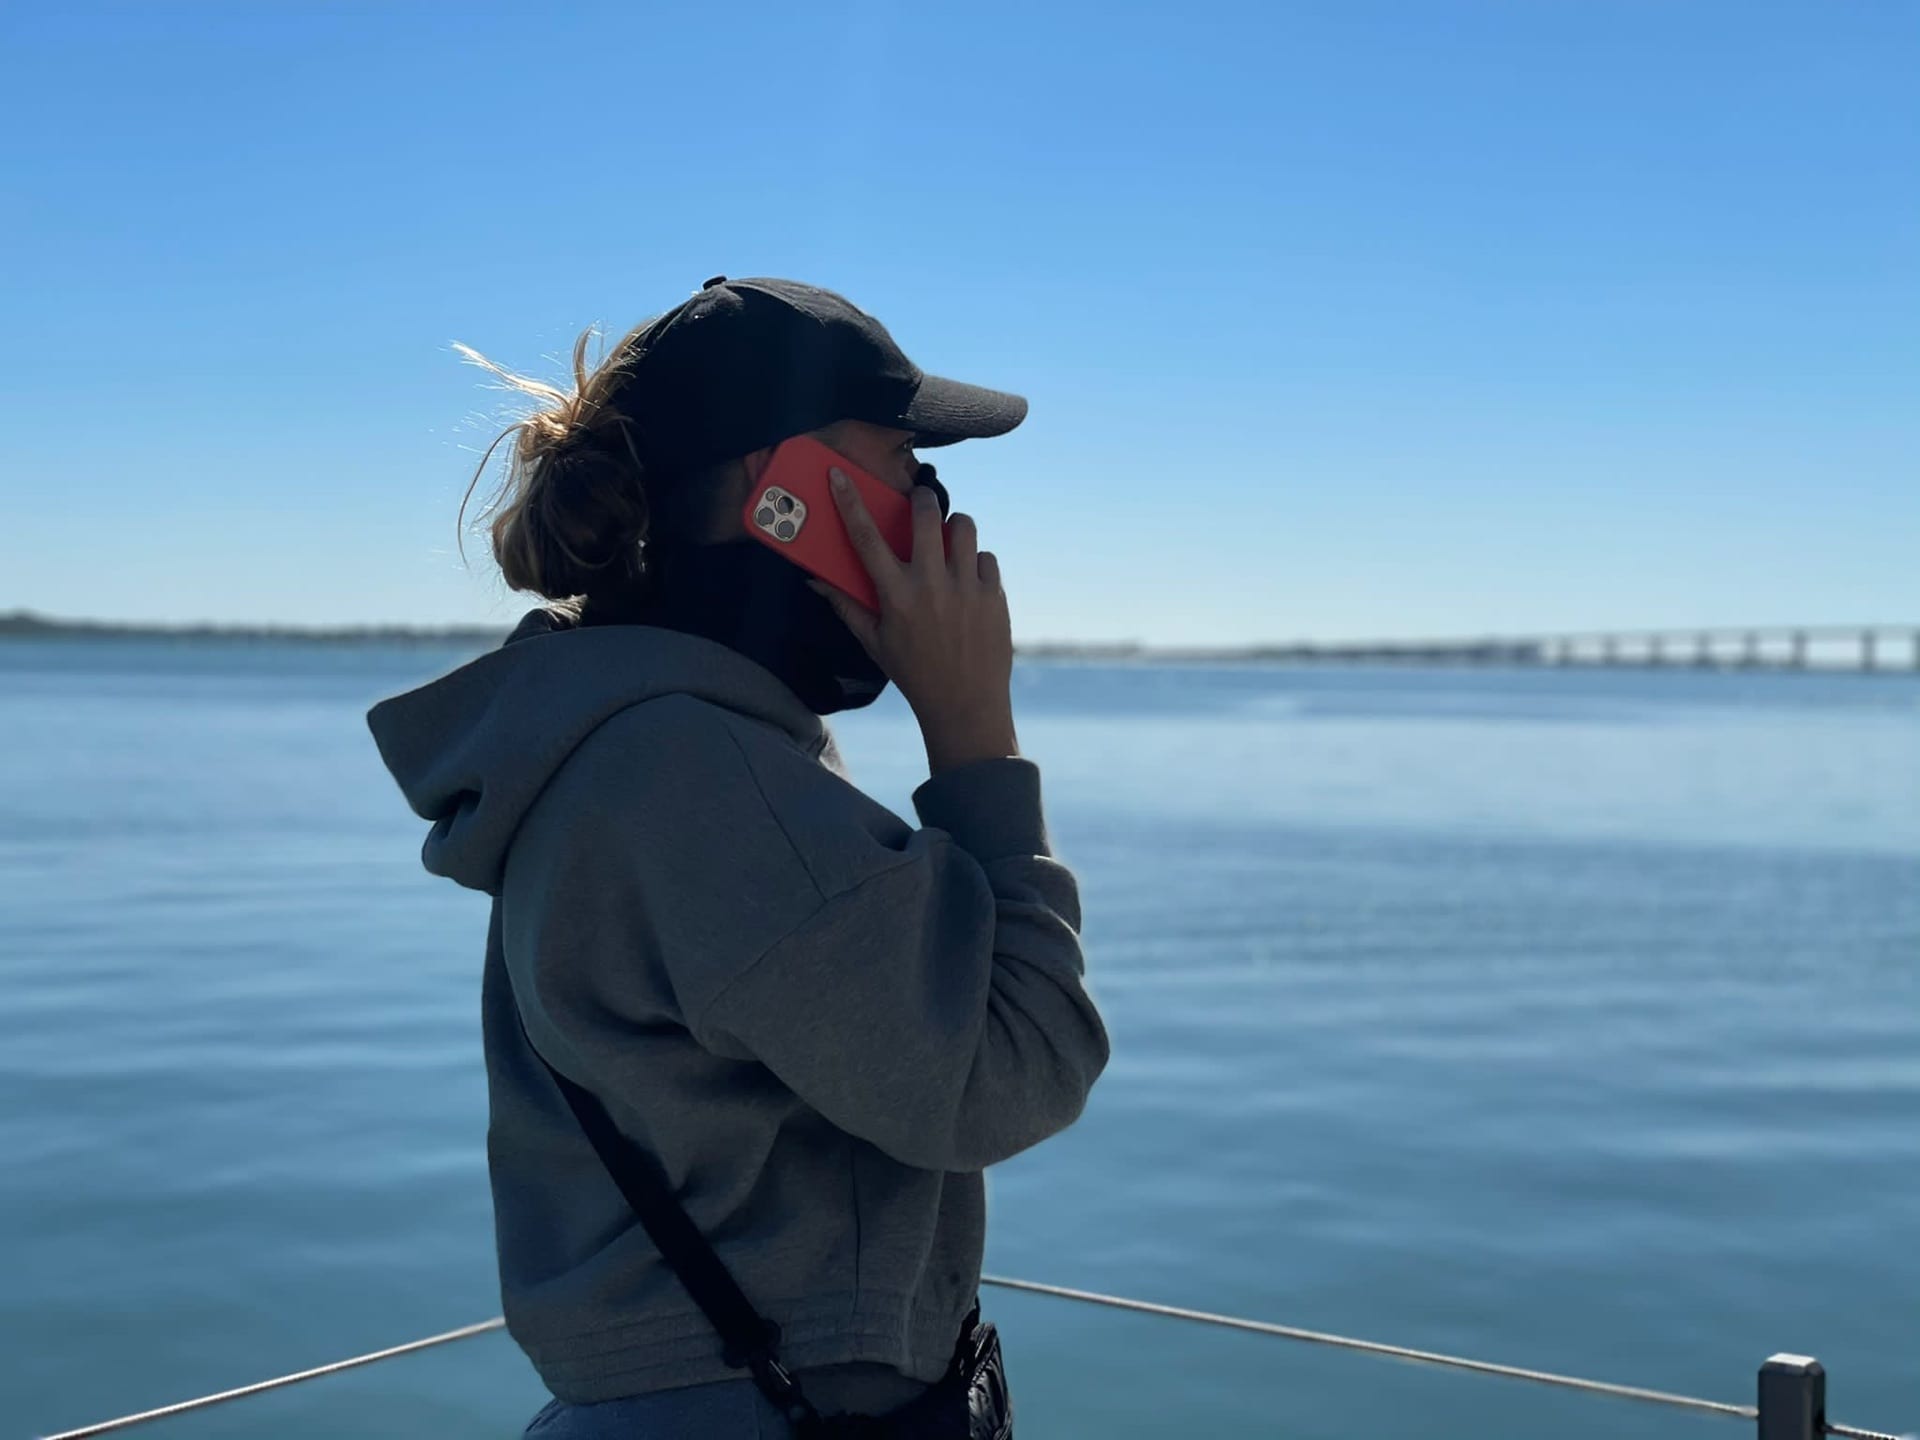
pixel 750 1339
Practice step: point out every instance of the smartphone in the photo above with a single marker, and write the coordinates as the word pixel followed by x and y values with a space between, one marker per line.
pixel 792 510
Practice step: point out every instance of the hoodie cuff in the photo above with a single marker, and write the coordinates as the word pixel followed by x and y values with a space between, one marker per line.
pixel 991 807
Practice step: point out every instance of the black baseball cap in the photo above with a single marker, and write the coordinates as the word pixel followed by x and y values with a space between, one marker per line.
pixel 749 363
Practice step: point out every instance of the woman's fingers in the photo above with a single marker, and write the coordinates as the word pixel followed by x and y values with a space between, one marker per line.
pixel 868 543
pixel 963 543
pixel 928 548
pixel 942 632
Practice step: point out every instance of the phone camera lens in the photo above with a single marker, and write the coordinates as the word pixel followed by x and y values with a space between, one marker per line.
pixel 784 529
pixel 763 516
pixel 784 504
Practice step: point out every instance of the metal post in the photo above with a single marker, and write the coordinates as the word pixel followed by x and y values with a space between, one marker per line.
pixel 1916 649
pixel 1703 651
pixel 1866 649
pixel 1793 1398
pixel 1799 648
pixel 1750 656
pixel 1606 649
pixel 1654 656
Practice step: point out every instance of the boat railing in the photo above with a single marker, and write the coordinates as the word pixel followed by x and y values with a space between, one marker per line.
pixel 1790 1403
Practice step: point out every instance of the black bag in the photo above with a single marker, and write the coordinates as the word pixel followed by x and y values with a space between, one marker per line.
pixel 970 1402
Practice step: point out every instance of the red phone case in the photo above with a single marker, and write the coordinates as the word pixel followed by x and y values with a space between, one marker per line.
pixel 794 495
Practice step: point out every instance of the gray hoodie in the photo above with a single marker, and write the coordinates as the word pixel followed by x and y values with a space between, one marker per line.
pixel 822 1022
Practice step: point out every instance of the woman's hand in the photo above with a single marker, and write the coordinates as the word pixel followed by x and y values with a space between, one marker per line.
pixel 942 634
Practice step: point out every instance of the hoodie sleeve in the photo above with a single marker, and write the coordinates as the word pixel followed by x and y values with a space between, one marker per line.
pixel 932 1003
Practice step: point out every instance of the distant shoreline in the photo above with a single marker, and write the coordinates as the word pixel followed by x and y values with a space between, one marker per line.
pixel 26 625
pixel 1519 651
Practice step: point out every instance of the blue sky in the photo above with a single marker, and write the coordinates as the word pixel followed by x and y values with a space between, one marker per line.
pixel 1338 320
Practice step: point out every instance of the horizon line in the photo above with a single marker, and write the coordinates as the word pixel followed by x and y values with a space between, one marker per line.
pixel 23 622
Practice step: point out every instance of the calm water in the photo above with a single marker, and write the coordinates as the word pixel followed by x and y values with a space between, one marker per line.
pixel 1565 1019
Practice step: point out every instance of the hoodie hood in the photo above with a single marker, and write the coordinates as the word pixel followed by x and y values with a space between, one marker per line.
pixel 473 749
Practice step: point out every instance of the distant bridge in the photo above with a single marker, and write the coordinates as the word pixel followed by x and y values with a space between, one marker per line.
pixel 1797 647
pixel 1833 647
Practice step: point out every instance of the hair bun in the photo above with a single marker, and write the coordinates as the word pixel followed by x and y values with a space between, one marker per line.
pixel 591 507
pixel 574 512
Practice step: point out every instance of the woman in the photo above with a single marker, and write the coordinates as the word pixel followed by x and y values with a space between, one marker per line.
pixel 819 1023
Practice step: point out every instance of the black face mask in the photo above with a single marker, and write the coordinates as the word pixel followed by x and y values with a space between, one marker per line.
pixel 750 598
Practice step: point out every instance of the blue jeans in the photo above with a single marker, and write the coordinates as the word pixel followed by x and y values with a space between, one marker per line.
pixel 722 1410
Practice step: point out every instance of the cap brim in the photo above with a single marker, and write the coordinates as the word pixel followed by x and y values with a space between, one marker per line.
pixel 944 411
